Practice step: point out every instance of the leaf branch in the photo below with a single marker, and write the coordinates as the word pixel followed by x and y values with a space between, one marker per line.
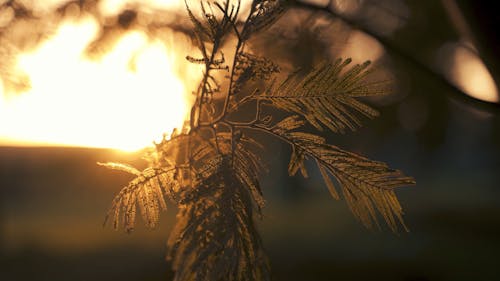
pixel 367 185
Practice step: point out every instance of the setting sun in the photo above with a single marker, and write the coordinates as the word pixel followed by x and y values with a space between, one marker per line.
pixel 124 99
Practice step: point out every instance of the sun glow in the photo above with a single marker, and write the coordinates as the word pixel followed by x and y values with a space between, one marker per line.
pixel 124 99
pixel 111 7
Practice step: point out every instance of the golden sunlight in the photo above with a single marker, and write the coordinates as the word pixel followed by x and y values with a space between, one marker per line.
pixel 124 99
pixel 113 7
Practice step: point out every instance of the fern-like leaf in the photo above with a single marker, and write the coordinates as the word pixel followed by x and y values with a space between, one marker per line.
pixel 247 165
pixel 249 67
pixel 215 236
pixel 145 191
pixel 327 96
pixel 367 185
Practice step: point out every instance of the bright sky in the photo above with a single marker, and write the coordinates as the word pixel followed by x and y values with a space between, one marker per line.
pixel 124 100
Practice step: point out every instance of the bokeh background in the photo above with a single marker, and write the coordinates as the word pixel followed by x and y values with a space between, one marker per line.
pixel 441 125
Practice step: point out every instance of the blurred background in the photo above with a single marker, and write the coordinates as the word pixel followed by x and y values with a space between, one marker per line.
pixel 441 125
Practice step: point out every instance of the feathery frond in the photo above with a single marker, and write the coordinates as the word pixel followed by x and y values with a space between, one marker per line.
pixel 217 19
pixel 249 67
pixel 327 96
pixel 146 191
pixel 367 185
pixel 215 237
pixel 246 164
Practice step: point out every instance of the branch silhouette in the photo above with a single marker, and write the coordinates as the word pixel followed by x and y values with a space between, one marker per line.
pixel 210 168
